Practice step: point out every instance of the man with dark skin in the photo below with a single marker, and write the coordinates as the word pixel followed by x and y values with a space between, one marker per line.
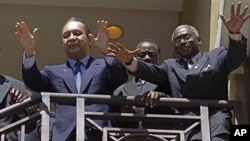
pixel 92 76
pixel 150 52
pixel 204 77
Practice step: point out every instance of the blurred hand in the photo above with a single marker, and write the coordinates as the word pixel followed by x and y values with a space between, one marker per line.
pixel 237 19
pixel 121 53
pixel 26 39
pixel 127 109
pixel 16 96
pixel 102 38
pixel 151 98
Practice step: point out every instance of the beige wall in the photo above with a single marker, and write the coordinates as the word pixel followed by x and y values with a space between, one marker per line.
pixel 137 25
pixel 197 13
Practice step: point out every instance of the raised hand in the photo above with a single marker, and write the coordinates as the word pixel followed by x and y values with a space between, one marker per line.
pixel 237 19
pixel 26 39
pixel 121 53
pixel 102 38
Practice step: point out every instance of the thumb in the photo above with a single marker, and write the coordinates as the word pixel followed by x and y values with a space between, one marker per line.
pixel 35 33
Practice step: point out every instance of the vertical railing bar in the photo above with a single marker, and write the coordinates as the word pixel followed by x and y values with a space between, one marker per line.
pixel 3 137
pixel 22 133
pixel 45 117
pixel 205 124
pixel 80 116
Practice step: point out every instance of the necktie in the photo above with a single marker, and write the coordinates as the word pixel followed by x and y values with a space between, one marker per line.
pixel 190 63
pixel 139 84
pixel 78 73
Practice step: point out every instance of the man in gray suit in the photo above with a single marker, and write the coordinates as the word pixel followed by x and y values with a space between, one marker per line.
pixel 196 74
pixel 11 91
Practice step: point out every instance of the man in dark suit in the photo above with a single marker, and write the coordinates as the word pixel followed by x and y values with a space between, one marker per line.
pixel 204 77
pixel 92 76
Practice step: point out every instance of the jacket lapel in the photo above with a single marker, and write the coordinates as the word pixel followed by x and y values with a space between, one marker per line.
pixel 68 77
pixel 194 73
pixel 131 88
pixel 148 87
pixel 91 68
pixel 4 87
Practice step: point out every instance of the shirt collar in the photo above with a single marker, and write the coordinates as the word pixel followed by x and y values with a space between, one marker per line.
pixel 194 58
pixel 83 60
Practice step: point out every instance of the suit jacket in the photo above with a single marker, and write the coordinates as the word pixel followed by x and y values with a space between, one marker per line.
pixel 6 83
pixel 102 76
pixel 130 89
pixel 207 79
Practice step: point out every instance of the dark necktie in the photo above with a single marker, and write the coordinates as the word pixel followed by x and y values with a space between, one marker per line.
pixel 78 72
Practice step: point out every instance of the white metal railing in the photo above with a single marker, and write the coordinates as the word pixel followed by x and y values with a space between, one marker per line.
pixel 79 100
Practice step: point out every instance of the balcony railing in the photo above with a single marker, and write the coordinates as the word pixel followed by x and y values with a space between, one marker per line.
pixel 111 133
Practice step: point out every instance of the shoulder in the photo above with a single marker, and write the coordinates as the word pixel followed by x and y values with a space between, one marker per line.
pixel 217 50
pixel 56 67
pixel 169 61
pixel 10 79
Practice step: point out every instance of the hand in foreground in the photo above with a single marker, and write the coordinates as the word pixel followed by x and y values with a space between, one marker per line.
pixel 102 38
pixel 237 19
pixel 26 39
pixel 151 98
pixel 16 96
pixel 127 109
pixel 121 53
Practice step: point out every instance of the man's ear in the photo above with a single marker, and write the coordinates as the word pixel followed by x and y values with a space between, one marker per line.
pixel 199 40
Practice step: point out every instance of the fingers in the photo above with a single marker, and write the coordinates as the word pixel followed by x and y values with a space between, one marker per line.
pixel 238 8
pixel 151 98
pixel 244 12
pixel 16 96
pixel 114 48
pixel 102 26
pixel 246 18
pixel 232 9
pixel 136 51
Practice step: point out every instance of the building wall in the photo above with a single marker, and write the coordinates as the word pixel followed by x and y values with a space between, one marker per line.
pixel 49 19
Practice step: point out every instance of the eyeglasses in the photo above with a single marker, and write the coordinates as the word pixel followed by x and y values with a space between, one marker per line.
pixel 150 54
pixel 184 37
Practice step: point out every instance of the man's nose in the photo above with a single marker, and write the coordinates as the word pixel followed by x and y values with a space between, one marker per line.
pixel 72 36
pixel 147 57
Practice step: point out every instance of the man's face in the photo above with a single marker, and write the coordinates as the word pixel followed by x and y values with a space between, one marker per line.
pixel 148 52
pixel 75 40
pixel 186 43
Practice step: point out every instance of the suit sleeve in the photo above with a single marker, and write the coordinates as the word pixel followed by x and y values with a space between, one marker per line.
pixel 153 73
pixel 35 80
pixel 116 71
pixel 236 53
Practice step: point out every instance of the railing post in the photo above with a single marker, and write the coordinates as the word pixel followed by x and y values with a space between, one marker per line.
pixel 205 124
pixel 45 130
pixel 80 119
